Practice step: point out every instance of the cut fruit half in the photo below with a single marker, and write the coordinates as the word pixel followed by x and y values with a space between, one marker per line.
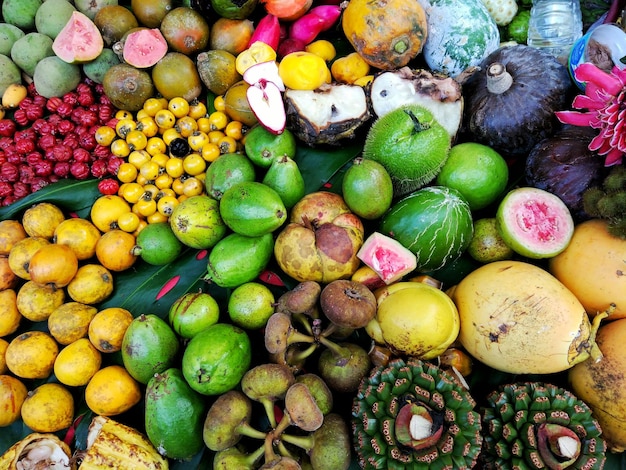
pixel 387 257
pixel 266 102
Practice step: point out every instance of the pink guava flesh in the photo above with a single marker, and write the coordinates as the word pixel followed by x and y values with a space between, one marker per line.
pixel 79 40
pixel 387 257
pixel 144 48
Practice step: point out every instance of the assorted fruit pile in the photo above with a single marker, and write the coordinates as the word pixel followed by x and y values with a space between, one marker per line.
pixel 309 234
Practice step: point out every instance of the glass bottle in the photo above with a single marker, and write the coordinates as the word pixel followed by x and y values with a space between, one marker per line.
pixel 554 26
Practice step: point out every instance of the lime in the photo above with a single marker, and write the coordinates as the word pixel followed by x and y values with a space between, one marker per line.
pixel 517 29
pixel 477 171
pixel 215 359
pixel 487 244
pixel 157 244
pixel 193 312
pixel 250 305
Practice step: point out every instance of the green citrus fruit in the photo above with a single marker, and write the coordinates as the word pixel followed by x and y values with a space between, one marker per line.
pixel 367 188
pixel 215 359
pixel 250 305
pixel 487 244
pixel 263 146
pixel 192 313
pixel 477 171
pixel 157 244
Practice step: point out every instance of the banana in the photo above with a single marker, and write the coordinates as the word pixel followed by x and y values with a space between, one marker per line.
pixel 114 445
pixel 38 451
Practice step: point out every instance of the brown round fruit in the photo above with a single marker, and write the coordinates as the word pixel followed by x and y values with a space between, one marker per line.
pixel 150 13
pixel 185 30
pixel 175 75
pixel 127 87
pixel 237 106
pixel 114 21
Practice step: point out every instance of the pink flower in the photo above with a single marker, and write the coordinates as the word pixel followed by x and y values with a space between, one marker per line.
pixel 603 107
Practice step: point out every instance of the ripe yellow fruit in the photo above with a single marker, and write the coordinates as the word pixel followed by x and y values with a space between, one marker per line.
pixel 53 264
pixel 70 321
pixel 8 279
pixel 80 235
pixel 4 344
pixel 92 284
pixel 10 316
pixel 13 392
pixel 48 408
pixel 77 363
pixel 22 252
pixel 31 355
pixel 106 210
pixel 107 329
pixel 42 219
pixel 112 391
pixel 11 232
pixel 36 302
pixel 114 250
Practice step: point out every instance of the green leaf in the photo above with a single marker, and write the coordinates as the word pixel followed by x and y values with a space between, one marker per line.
pixel 319 166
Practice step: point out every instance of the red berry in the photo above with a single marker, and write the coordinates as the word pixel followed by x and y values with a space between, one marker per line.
pixel 108 186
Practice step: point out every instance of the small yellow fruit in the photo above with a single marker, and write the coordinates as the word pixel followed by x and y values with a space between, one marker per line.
pixel 77 363
pixel 106 210
pixel 10 317
pixel 70 321
pixel 42 219
pixel 11 232
pixel 13 392
pixel 80 235
pixel 13 95
pixel 22 252
pixel 31 355
pixel 53 264
pixel 114 250
pixel 37 302
pixel 48 408
pixel 92 284
pixel 107 329
pixel 112 391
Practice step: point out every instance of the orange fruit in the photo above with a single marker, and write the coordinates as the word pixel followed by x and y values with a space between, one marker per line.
pixel 477 171
pixel 77 363
pixel 13 392
pixel 114 250
pixel 8 279
pixel 80 235
pixel 112 391
pixel 36 302
pixel 92 284
pixel 11 231
pixel 53 264
pixel 10 316
pixel 48 408
pixel 70 321
pixel 42 219
pixel 4 344
pixel 106 210
pixel 31 355
pixel 107 329
pixel 22 252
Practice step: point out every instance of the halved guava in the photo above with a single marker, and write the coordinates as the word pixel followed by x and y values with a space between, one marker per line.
pixel 387 257
pixel 144 47
pixel 79 41
pixel 534 223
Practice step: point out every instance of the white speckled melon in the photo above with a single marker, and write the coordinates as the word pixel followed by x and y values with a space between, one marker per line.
pixel 461 33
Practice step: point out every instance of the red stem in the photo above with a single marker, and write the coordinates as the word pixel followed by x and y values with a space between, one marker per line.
pixel 615 11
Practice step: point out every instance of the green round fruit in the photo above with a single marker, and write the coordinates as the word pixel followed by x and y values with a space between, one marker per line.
pixel 487 244
pixel 8 35
pixel 9 73
pixel 216 359
pixel 97 68
pixel 193 312
pixel 250 305
pixel 517 29
pixel 197 223
pixel 225 171
pixel 434 222
pixel 28 51
pixel 411 144
pixel 367 188
pixel 157 244
pixel 55 77
pixel 477 171
pixel 263 146
pixel 52 16
pixel 21 13
pixel 534 223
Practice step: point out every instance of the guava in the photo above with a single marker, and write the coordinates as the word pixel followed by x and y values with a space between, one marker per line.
pixel 367 188
pixel 534 223
pixel 21 13
pixel 97 68
pixel 487 245
pixel 387 257
pixel 55 77
pixel 8 35
pixel 157 244
pixel 144 47
pixel 29 50
pixel 79 41
pixel 197 222
pixel 52 16
pixel 92 7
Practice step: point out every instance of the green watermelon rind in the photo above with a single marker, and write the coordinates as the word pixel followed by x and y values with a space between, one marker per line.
pixel 434 222
pixel 461 33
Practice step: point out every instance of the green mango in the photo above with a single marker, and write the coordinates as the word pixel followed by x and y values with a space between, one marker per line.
pixel 170 401
pixel 227 170
pixel 149 347
pixel 237 259
pixel 252 208
pixel 284 177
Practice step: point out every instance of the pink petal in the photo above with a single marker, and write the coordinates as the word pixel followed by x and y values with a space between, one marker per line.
pixel 599 144
pixel 588 72
pixel 574 118
pixel 586 102
pixel 614 157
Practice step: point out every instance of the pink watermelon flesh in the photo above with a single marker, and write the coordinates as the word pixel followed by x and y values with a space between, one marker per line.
pixel 534 223
pixel 79 40
pixel 387 257
pixel 144 48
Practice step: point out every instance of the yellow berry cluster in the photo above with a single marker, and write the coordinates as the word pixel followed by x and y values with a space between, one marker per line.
pixel 155 176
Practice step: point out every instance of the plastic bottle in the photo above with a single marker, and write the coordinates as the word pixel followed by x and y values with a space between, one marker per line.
pixel 554 26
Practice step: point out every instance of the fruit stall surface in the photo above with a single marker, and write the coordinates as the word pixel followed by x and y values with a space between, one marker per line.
pixel 318 234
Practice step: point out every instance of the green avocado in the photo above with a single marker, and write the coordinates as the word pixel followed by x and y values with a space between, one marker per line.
pixel 169 402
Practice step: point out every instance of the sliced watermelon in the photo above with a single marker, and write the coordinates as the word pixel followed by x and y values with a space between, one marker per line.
pixel 387 257
pixel 79 41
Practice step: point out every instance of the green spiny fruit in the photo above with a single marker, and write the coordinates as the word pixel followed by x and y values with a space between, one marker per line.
pixel 536 425
pixel 413 415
